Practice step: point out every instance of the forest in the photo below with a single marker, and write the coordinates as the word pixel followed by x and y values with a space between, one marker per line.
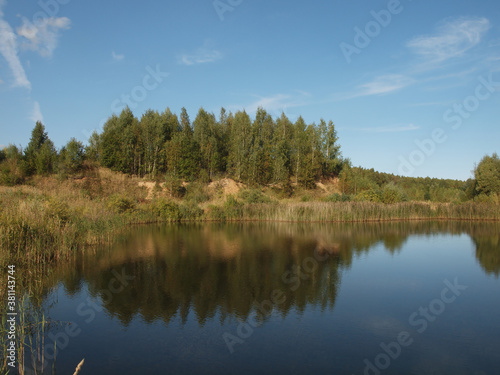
pixel 289 157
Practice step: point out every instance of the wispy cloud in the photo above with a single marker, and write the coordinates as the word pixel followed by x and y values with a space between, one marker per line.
pixel 116 56
pixel 380 85
pixel 42 38
pixel 36 114
pixel 276 104
pixel 453 37
pixel 202 55
pixel 390 129
pixel 385 84
pixel 8 49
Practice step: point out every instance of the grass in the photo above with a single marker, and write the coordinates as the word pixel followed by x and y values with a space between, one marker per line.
pixel 51 220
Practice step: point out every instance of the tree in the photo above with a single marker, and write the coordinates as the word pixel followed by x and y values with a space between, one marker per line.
pixel 205 133
pixel 72 156
pixel 121 143
pixel 239 149
pixel 282 151
pixel 45 158
pixel 38 138
pixel 487 174
pixel 300 149
pixel 154 132
pixel 93 149
pixel 332 160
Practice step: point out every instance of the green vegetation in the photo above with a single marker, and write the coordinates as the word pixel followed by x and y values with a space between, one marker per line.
pixel 164 168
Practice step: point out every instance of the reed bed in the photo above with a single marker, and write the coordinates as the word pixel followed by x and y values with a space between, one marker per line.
pixel 364 211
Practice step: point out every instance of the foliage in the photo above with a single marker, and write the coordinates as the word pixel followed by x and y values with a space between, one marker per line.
pixel 71 157
pixel 11 167
pixel 487 174
pixel 167 210
pixel 120 203
pixel 253 196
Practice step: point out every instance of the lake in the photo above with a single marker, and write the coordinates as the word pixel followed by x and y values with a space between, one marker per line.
pixel 280 298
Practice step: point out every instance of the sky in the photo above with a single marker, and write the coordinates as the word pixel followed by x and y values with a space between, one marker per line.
pixel 413 87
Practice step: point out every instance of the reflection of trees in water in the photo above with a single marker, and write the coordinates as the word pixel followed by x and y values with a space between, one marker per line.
pixel 487 243
pixel 187 272
pixel 222 269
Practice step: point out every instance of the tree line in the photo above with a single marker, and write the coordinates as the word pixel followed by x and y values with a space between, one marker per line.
pixel 263 151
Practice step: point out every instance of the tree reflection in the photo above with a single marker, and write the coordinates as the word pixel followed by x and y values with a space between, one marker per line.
pixel 221 270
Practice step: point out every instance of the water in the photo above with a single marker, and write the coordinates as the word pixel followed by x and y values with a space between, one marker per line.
pixel 256 298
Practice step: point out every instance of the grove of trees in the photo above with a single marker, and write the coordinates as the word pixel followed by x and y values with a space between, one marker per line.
pixel 261 151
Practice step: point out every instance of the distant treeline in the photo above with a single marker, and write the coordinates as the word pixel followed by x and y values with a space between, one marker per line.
pixel 258 152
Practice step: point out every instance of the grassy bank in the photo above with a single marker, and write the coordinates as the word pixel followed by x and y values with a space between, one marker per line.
pixel 52 219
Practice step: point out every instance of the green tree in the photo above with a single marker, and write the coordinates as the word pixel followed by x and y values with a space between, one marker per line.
pixel 487 174
pixel 38 138
pixel 240 144
pixel 282 150
pixel 72 156
pixel 121 143
pixel 332 160
pixel 93 149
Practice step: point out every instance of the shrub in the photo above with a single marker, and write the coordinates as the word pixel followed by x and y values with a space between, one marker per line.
pixel 167 210
pixel 368 196
pixel 11 173
pixel 253 196
pixel 120 203
pixel 190 211
pixel 393 194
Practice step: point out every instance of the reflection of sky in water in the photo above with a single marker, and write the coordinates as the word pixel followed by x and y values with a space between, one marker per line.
pixel 374 294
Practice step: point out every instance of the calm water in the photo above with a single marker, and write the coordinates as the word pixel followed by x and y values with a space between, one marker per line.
pixel 421 298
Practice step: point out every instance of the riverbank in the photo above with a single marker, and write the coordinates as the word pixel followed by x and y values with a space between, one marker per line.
pixel 50 219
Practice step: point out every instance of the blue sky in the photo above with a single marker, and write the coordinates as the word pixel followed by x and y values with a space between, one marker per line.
pixel 412 86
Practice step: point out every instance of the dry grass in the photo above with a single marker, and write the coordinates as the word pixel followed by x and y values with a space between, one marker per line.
pixel 79 367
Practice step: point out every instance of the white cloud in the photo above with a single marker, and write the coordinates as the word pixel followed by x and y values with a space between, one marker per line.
pixel 384 84
pixel 380 85
pixel 203 55
pixel 391 129
pixel 36 115
pixel 116 56
pixel 453 38
pixel 8 49
pixel 42 38
pixel 276 104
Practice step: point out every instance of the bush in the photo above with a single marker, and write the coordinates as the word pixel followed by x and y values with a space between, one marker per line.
pixel 253 196
pixel 368 196
pixel 190 211
pixel 174 186
pixel 393 194
pixel 11 173
pixel 167 210
pixel 120 203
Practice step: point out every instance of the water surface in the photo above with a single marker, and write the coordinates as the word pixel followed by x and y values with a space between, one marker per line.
pixel 260 298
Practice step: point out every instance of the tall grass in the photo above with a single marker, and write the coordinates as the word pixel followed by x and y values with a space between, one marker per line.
pixel 361 211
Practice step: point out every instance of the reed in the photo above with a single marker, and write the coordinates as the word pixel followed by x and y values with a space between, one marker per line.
pixel 364 211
